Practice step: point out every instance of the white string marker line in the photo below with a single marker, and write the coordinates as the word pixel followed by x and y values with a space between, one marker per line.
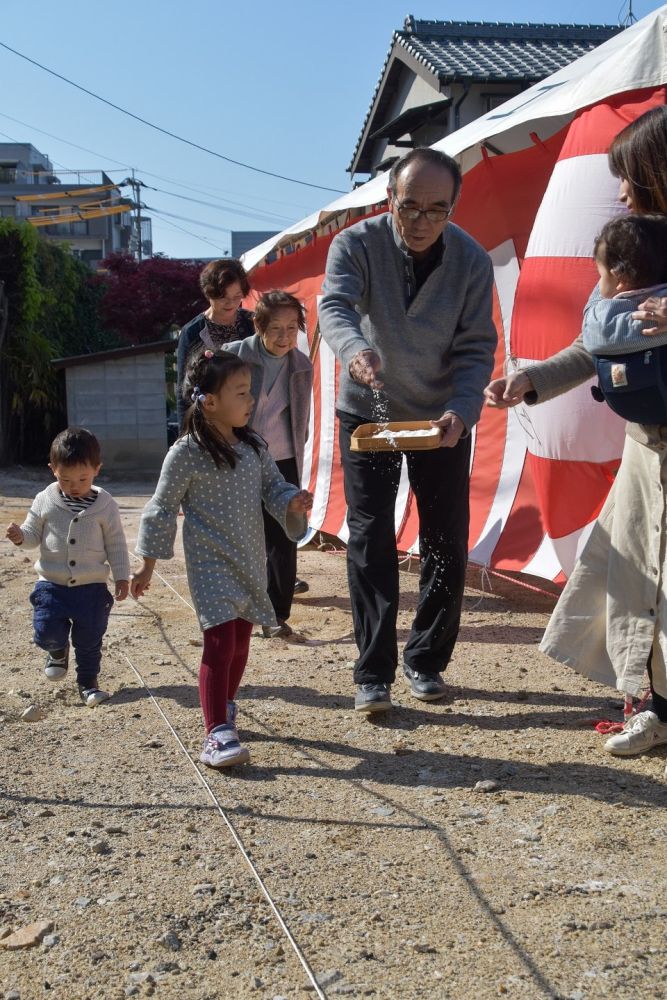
pixel 230 826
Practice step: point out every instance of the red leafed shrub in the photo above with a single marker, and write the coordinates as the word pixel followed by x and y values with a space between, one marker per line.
pixel 143 300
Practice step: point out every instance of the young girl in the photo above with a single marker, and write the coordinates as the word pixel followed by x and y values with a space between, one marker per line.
pixel 220 472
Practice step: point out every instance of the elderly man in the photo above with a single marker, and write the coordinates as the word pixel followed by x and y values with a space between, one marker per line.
pixel 406 308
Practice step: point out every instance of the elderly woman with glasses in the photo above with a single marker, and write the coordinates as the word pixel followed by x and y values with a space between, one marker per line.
pixel 224 284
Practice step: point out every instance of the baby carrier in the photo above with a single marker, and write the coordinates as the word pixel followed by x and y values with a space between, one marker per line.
pixel 634 385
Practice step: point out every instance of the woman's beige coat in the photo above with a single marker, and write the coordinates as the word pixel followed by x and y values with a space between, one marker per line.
pixel 613 610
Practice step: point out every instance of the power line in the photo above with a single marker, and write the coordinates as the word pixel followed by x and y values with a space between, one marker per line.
pixel 203 239
pixel 127 166
pixel 184 218
pixel 164 131
pixel 221 207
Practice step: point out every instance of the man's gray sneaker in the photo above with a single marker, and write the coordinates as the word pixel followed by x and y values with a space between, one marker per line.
pixel 372 698
pixel 222 748
pixel 426 687
pixel 56 664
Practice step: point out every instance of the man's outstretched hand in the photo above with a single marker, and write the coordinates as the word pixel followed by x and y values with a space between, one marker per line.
pixel 364 368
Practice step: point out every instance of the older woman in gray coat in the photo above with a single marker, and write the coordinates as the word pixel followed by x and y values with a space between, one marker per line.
pixel 281 380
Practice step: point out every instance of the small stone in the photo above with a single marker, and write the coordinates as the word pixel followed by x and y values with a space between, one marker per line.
pixel 137 978
pixel 196 642
pixel 424 949
pixel 43 813
pixel 329 978
pixel 487 785
pixel 383 811
pixel 170 940
pixel 82 902
pixel 100 847
pixel 33 713
pixel 28 936
pixel 205 888
pixel 50 940
pixel 13 995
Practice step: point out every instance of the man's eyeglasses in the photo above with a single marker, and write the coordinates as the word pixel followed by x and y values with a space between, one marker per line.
pixel 433 215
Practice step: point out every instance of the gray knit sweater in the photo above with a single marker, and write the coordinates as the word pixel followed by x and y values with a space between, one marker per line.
pixel 437 350
pixel 75 548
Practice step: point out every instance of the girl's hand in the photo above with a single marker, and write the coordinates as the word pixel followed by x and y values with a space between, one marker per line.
pixel 122 589
pixel 653 309
pixel 300 502
pixel 140 582
pixel 14 534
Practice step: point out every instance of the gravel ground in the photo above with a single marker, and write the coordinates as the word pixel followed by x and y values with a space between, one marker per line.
pixel 395 876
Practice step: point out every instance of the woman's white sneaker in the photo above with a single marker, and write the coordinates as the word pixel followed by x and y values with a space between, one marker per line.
pixel 643 732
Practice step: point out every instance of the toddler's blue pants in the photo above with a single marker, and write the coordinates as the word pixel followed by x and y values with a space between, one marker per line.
pixel 83 613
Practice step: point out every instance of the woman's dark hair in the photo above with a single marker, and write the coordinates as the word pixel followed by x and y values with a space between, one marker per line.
pixel 204 375
pixel 75 446
pixel 638 154
pixel 217 276
pixel 634 249
pixel 269 302
pixel 424 154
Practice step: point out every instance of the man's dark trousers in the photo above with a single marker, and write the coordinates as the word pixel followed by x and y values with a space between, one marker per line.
pixel 439 479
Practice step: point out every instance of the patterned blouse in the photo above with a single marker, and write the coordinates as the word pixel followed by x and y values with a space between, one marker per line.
pixel 223 528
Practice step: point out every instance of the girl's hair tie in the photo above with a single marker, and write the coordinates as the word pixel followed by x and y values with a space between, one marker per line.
pixel 197 396
pixel 208 355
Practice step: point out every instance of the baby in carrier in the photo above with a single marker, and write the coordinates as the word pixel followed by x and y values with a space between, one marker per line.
pixel 631 364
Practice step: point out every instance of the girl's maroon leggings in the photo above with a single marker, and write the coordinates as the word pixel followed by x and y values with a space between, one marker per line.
pixel 222 664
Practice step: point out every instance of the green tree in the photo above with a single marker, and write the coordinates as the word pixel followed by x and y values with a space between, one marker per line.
pixel 50 309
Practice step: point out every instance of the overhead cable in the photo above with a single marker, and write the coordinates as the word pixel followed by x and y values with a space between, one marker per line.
pixel 164 131
pixel 148 173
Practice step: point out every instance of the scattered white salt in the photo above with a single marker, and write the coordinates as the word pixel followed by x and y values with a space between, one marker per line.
pixel 390 435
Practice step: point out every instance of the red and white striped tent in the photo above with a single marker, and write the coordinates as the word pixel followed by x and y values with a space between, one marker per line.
pixel 536 190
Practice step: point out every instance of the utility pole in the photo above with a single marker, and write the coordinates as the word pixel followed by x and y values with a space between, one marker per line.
pixel 136 191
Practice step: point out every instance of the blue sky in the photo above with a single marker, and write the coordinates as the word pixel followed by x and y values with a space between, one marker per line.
pixel 283 86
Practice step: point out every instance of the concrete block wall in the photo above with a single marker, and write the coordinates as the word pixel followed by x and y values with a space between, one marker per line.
pixel 123 402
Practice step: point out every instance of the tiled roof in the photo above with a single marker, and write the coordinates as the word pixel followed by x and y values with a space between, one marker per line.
pixel 491 52
pixel 456 50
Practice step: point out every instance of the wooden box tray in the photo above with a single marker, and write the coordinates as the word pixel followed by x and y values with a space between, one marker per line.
pixel 363 439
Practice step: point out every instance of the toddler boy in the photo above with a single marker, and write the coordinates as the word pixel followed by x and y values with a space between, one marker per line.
pixel 78 529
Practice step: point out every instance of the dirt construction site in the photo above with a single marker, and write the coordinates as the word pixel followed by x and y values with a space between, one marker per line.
pixel 478 847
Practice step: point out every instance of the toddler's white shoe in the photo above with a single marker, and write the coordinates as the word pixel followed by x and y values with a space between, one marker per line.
pixel 641 733
pixel 92 697
pixel 56 664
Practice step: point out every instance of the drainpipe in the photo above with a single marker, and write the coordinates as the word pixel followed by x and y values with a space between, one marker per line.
pixel 457 117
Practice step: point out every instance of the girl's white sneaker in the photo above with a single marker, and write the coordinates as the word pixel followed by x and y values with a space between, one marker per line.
pixel 222 748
